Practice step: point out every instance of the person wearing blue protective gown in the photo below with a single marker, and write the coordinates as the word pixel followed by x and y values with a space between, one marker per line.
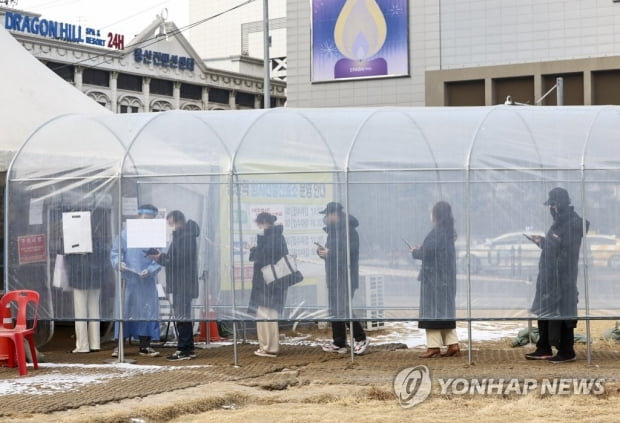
pixel 141 303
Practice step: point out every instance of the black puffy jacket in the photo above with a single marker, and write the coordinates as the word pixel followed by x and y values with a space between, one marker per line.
pixel 181 261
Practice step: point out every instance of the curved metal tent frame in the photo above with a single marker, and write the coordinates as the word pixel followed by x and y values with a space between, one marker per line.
pixel 320 143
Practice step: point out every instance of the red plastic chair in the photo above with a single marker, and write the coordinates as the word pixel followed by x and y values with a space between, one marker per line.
pixel 21 330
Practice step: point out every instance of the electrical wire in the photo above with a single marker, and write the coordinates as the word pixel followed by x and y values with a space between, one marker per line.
pixel 157 38
pixel 135 14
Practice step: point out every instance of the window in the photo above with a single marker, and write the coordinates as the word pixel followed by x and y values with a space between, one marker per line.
pixel 161 106
pixel 520 89
pixel 273 103
pixel 602 83
pixel 129 104
pixel 129 82
pixel 573 89
pixel 96 77
pixel 245 100
pixel 66 72
pixel 161 86
pixel 192 92
pixel 100 98
pixel 465 93
pixel 217 95
pixel 129 109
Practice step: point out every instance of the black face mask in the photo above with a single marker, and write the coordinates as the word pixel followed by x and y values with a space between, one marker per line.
pixel 558 211
pixel 555 213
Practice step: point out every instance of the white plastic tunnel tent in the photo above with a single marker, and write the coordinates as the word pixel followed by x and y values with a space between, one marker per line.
pixel 31 95
pixel 387 167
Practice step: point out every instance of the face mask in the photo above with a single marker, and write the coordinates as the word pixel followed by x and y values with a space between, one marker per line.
pixel 260 231
pixel 325 221
pixel 554 212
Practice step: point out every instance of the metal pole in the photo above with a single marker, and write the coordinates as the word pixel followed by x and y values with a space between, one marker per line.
pixel 586 269
pixel 120 284
pixel 348 261
pixel 5 286
pixel 241 258
pixel 208 309
pixel 468 249
pixel 231 229
pixel 267 60
pixel 559 83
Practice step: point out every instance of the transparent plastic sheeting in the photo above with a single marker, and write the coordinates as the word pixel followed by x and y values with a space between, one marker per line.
pixel 76 187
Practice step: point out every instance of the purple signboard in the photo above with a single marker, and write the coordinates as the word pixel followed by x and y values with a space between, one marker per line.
pixel 354 39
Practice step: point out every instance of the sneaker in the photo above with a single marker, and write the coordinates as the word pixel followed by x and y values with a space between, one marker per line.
pixel 333 348
pixel 150 352
pixel 539 355
pixel 562 359
pixel 115 352
pixel 360 347
pixel 262 353
pixel 180 356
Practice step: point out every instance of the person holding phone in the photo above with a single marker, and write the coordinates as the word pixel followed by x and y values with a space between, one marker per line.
pixel 181 263
pixel 337 268
pixel 555 301
pixel 438 284
pixel 141 301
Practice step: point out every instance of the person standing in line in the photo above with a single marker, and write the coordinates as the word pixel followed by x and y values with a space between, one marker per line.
pixel 86 274
pixel 337 267
pixel 438 284
pixel 264 303
pixel 181 263
pixel 556 297
pixel 141 301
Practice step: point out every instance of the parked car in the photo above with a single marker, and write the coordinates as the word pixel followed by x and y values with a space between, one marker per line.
pixel 514 252
pixel 511 251
pixel 604 250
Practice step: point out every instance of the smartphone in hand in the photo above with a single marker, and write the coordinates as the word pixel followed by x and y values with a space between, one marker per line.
pixel 534 239
pixel 322 247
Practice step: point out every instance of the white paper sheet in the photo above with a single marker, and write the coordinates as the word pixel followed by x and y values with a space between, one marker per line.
pixel 146 233
pixel 130 206
pixel 77 233
pixel 35 216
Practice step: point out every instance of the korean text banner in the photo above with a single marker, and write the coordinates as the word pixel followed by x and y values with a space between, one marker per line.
pixel 354 39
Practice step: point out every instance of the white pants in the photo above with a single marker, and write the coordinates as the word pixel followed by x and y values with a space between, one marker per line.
pixel 86 306
pixel 437 338
pixel 268 332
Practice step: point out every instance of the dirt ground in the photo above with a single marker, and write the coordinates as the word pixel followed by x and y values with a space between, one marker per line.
pixel 305 384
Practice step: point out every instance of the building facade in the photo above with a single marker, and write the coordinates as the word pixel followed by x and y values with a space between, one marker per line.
pixel 156 71
pixel 234 39
pixel 472 53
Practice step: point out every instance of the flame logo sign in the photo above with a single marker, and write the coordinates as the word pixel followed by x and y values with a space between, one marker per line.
pixel 412 385
pixel 360 30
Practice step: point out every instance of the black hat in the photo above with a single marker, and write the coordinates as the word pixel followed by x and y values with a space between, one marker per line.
pixel 332 208
pixel 265 217
pixel 558 196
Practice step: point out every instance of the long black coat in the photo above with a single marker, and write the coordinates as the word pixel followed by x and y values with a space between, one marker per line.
pixel 181 262
pixel 437 280
pixel 90 271
pixel 270 248
pixel 558 267
pixel 336 265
